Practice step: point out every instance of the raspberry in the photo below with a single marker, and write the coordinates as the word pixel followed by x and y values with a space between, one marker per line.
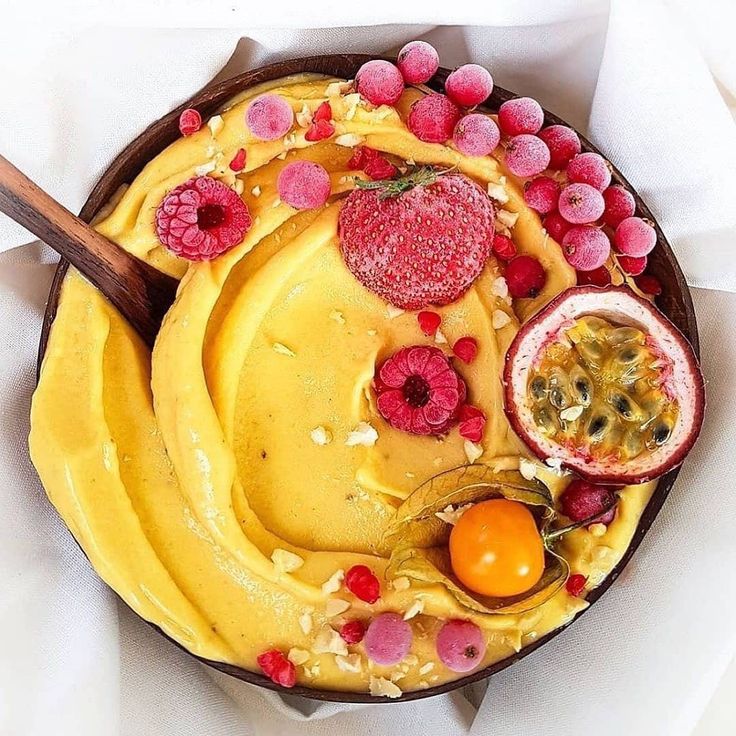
pixel 388 639
pixel 433 118
pixel 353 631
pixel 460 645
pixel 362 583
pixel 522 115
pixel 580 204
pixel 418 391
pixel 277 667
pixel 586 247
pixel 418 62
pixel 620 204
pixel 576 584
pixel 304 185
pixel 556 225
pixel 269 117
pixel 380 168
pixel 563 144
pixel 466 348
pixel 582 500
pixel 379 82
pixel 319 130
pixel 649 284
pixel 503 247
pixel 631 265
pixel 190 121
pixel 201 219
pixel 362 155
pixel 411 246
pixel 525 277
pixel 429 322
pixel 472 423
pixel 476 135
pixel 635 237
pixel 541 194
pixel 589 168
pixel 322 113
pixel 526 155
pixel 238 162
pixel 469 85
pixel 596 277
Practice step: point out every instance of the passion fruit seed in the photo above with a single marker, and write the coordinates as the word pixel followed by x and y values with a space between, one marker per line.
pixel 600 387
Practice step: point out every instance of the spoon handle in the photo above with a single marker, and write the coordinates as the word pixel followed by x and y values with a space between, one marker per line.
pixel 140 292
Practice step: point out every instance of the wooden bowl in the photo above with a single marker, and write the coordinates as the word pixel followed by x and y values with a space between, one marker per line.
pixel 674 301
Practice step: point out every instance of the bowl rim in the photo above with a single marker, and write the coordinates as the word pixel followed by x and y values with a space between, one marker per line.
pixel 675 303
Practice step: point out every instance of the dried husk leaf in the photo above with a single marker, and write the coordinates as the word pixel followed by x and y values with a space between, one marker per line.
pixel 420 540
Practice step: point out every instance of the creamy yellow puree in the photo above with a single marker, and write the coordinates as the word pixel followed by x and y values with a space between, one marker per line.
pixel 185 474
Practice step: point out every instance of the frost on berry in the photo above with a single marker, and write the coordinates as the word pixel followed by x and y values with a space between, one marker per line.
pixel 563 144
pixel 586 247
pixel 433 118
pixel 469 85
pixel 526 155
pixel 476 135
pixel 418 62
pixel 379 82
pixel 522 115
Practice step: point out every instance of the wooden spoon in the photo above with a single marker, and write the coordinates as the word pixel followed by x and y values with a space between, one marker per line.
pixel 138 291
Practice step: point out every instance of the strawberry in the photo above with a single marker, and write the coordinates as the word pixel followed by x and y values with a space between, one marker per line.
pixel 419 240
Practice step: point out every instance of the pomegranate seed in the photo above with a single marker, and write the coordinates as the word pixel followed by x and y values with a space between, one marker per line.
pixel 472 423
pixel 429 322
pixel 323 112
pixel 575 584
pixel 353 631
pixel 466 348
pixel 319 130
pixel 238 162
pixel 503 247
pixel 362 583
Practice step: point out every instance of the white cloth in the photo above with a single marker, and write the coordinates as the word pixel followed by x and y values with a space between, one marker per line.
pixel 638 76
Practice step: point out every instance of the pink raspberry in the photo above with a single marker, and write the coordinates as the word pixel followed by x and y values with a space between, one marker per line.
pixel 353 631
pixel 620 204
pixel 319 130
pixel 476 135
pixel 635 237
pixel 269 117
pixel 418 391
pixel 380 168
pixel 433 118
pixel 388 639
pixel 379 82
pixel 597 277
pixel 362 582
pixel 362 156
pixel 460 645
pixel 277 667
pixel 503 247
pixel 190 121
pixel 580 204
pixel 469 85
pixel 429 322
pixel 304 185
pixel 323 112
pixel 586 247
pixel 541 194
pixel 632 265
pixel 576 584
pixel 522 115
pixel 526 155
pixel 238 162
pixel 563 144
pixel 466 348
pixel 418 62
pixel 472 423
pixel 201 219
pixel 556 225
pixel 525 277
pixel 589 168
pixel 582 500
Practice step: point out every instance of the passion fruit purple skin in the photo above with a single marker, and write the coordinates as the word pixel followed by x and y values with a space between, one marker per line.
pixel 617 304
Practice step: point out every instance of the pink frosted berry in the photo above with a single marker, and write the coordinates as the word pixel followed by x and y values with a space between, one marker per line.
pixel 634 237
pixel 632 265
pixel 586 247
pixel 580 204
pixel 522 115
pixel 190 121
pixel 526 155
pixel 620 204
pixel 433 118
pixel 541 194
pixel 469 85
pixel 589 168
pixel 476 135
pixel 388 639
pixel 418 62
pixel 269 117
pixel 304 185
pixel 379 82
pixel 460 645
pixel 563 144
pixel 556 225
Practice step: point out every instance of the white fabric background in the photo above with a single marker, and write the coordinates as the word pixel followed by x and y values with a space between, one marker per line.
pixel 650 82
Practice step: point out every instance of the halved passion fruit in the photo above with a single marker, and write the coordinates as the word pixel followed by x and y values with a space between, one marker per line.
pixel 604 382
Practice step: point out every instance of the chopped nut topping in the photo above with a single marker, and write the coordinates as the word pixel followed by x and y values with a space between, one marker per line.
pixel 497 192
pixel 321 436
pixel 411 660
pixel 338 88
pixel 256 191
pixel 363 434
pixel 285 561
pixel 401 583
pixel 450 514
pixel 329 641
pixel 472 451
pixel 349 140
pixel 297 656
pixel 336 606
pixel 426 668
pixel 305 622
pixel 239 186
pixel 334 582
pixel 499 319
pixel 349 662
pixel 282 156
pixel 304 116
pixel 414 609
pixel 393 311
pixel 527 468
pixel 439 338
pixel 507 218
pixel 281 349
pixel 499 287
pixel 205 169
pixel 215 124
pixel 380 686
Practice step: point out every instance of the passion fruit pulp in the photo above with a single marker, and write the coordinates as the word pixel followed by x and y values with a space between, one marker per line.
pixel 602 381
